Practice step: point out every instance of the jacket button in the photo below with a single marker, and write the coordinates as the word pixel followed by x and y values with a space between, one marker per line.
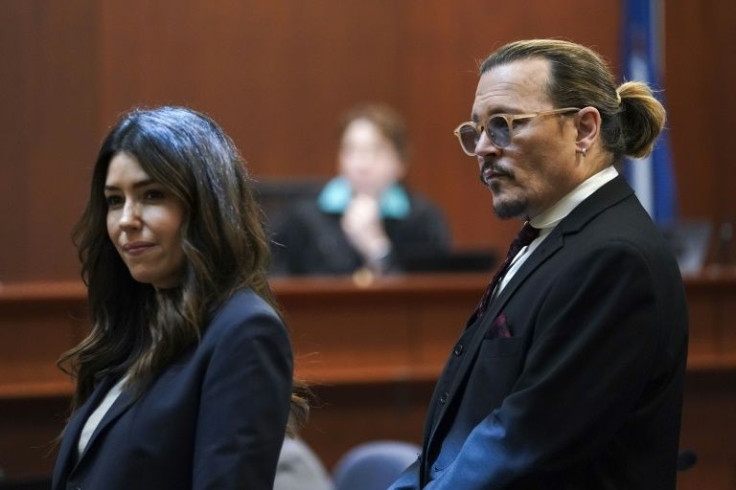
pixel 443 397
pixel 458 349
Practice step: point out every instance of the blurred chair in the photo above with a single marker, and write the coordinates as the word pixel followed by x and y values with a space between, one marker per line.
pixel 275 196
pixel 373 465
pixel 299 468
pixel 686 459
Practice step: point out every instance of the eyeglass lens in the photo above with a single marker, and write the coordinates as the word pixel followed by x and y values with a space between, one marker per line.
pixel 498 131
pixel 468 138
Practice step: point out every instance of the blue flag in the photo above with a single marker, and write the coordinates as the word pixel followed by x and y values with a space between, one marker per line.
pixel 651 177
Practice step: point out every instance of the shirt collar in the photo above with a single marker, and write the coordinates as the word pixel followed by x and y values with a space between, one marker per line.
pixel 549 218
pixel 336 195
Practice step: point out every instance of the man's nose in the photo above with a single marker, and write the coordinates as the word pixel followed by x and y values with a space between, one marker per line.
pixel 485 146
pixel 484 149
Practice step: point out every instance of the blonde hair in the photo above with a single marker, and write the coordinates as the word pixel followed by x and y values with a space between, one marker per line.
pixel 631 117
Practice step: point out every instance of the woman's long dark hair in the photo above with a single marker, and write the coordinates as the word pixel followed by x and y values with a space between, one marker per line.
pixel 136 328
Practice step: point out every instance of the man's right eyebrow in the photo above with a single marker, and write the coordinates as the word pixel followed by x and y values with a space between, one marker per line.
pixel 504 110
pixel 496 110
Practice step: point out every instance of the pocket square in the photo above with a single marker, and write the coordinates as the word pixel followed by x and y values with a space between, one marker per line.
pixel 498 329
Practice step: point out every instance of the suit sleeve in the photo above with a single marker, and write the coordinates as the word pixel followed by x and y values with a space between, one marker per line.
pixel 245 403
pixel 409 478
pixel 595 339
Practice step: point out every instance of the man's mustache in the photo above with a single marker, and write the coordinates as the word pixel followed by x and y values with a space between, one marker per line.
pixel 491 168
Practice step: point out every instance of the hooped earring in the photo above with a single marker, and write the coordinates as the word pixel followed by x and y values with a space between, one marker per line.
pixel 583 151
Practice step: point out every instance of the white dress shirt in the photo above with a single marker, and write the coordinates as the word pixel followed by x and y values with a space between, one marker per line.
pixel 547 220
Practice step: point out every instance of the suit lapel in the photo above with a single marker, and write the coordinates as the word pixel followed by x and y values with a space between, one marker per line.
pixel 119 406
pixel 494 307
pixel 67 457
pixel 547 248
pixel 68 461
pixel 605 197
pixel 608 195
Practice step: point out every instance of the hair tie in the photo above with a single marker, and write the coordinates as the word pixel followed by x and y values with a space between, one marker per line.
pixel 618 97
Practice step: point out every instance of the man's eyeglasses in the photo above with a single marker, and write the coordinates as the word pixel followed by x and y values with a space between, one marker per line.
pixel 499 129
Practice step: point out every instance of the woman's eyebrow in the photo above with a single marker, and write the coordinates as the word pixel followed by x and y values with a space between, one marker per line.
pixel 139 184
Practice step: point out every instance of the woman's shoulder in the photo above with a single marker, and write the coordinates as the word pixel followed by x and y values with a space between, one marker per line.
pixel 244 306
pixel 244 337
pixel 246 297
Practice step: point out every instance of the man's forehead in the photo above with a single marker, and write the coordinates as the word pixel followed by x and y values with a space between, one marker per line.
pixel 514 84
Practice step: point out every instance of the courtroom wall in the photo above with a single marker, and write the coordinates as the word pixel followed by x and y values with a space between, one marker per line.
pixel 278 73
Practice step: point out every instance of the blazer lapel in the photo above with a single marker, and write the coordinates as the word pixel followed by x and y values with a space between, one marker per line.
pixel 121 404
pixel 547 248
pixel 494 308
pixel 67 459
pixel 608 195
pixel 605 197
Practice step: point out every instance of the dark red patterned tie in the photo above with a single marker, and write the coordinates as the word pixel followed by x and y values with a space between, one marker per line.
pixel 526 235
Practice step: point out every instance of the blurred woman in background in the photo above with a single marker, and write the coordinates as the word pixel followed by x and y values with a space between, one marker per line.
pixel 365 218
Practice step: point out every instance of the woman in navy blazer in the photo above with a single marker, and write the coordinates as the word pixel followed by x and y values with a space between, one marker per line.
pixel 185 381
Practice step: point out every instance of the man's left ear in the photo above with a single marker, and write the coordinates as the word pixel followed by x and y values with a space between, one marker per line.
pixel 588 122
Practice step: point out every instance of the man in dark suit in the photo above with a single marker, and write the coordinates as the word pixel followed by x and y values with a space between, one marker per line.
pixel 569 374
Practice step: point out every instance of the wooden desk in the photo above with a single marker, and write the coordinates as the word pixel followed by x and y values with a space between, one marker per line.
pixel 372 354
pixel 397 329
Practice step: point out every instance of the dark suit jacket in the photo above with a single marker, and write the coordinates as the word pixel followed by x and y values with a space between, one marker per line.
pixel 587 391
pixel 309 241
pixel 214 419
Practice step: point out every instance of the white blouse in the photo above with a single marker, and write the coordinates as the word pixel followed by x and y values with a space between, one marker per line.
pixel 96 417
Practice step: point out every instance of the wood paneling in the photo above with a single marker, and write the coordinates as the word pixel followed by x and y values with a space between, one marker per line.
pixel 709 428
pixel 278 74
pixel 47 137
pixel 275 74
pixel 371 355
pixel 700 37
